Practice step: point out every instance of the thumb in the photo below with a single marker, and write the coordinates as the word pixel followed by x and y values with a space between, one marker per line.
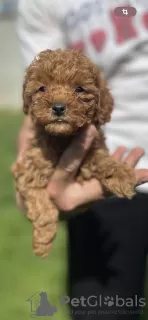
pixel 73 156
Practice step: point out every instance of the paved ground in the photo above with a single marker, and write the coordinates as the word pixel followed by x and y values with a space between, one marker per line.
pixel 11 70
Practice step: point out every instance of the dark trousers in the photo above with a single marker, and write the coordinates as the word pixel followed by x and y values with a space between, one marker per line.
pixel 107 257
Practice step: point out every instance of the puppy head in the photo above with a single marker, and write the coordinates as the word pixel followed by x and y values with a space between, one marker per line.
pixel 63 91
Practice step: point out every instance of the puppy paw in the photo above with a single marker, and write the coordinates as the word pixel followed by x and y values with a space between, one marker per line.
pixel 122 182
pixel 85 174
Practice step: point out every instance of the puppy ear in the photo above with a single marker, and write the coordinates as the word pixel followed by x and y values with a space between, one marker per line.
pixel 106 103
pixel 26 95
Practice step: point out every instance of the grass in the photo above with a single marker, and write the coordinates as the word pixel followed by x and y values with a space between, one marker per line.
pixel 21 273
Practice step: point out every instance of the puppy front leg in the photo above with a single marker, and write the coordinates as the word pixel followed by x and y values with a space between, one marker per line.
pixel 115 176
pixel 44 217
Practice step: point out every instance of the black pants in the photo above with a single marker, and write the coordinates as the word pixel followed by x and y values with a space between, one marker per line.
pixel 107 258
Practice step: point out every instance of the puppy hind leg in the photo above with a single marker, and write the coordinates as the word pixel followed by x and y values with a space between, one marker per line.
pixel 44 217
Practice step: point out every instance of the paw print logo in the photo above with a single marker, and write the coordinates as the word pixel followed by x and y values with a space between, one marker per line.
pixel 109 301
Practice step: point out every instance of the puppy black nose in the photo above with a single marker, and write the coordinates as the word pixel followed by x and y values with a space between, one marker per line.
pixel 59 108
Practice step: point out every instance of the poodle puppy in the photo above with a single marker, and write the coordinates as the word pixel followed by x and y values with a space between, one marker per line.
pixel 64 91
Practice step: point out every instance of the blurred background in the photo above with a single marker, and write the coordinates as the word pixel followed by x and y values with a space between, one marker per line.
pixel 21 274
pixel 11 69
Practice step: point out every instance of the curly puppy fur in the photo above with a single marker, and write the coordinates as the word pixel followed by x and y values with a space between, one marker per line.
pixel 64 91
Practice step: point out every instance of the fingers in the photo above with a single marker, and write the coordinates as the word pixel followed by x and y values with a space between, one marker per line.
pixel 132 159
pixel 25 135
pixel 21 152
pixel 119 152
pixel 24 142
pixel 73 156
pixel 141 176
pixel 20 202
pixel 134 156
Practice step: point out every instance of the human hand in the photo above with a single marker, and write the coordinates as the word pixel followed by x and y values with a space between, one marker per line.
pixel 69 195
pixel 23 142
pixel 24 137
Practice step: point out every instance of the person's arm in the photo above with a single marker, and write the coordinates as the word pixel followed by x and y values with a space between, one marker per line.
pixel 37 30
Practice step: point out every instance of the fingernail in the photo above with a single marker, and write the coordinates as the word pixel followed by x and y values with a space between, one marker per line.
pixel 140 149
pixel 20 157
pixel 124 149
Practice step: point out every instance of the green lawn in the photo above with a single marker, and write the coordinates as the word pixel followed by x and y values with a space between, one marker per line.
pixel 21 273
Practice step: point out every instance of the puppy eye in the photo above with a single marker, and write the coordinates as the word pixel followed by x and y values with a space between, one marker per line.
pixel 79 89
pixel 42 89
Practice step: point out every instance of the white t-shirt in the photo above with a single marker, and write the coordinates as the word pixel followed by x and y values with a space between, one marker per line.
pixel 118 45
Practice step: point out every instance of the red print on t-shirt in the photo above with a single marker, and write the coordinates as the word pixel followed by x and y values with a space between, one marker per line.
pixel 145 20
pixel 98 38
pixel 78 45
pixel 124 28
